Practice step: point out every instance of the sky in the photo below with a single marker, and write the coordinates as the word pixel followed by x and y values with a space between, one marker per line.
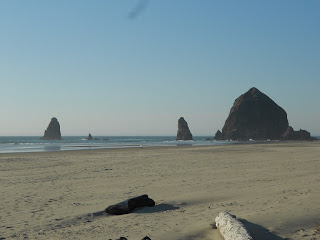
pixel 135 67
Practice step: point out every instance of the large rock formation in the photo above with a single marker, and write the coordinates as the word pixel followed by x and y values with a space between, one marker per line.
pixel 255 116
pixel 183 130
pixel 53 130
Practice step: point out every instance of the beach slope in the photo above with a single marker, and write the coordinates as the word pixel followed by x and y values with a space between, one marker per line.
pixel 274 189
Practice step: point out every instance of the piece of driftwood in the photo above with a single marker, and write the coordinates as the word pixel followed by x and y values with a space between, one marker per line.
pixel 124 238
pixel 128 205
pixel 231 228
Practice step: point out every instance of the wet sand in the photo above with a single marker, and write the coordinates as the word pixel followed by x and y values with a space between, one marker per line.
pixel 274 188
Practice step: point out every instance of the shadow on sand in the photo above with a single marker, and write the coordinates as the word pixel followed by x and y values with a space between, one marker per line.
pixel 99 214
pixel 259 232
pixel 158 208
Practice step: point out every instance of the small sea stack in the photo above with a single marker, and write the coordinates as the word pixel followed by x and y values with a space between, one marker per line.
pixel 53 130
pixel 183 130
pixel 89 137
pixel 301 135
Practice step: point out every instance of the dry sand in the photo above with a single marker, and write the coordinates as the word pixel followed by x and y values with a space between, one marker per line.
pixel 274 188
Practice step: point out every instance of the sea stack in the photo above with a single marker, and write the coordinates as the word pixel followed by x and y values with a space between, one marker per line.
pixel 53 130
pixel 254 116
pixel 301 135
pixel 183 130
pixel 89 137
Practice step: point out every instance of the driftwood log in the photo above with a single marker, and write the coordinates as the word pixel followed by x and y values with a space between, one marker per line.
pixel 128 205
pixel 231 228
pixel 123 238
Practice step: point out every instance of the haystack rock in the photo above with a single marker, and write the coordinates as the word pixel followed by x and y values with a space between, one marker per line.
pixel 53 130
pixel 183 130
pixel 254 116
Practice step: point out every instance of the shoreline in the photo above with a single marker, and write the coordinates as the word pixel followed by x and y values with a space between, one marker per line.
pixel 274 187
pixel 57 147
pixel 129 147
pixel 33 144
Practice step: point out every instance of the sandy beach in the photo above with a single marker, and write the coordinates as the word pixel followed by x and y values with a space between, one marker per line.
pixel 274 188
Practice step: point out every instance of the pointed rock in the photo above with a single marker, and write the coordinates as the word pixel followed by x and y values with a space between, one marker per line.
pixel 183 130
pixel 255 116
pixel 89 137
pixel 53 130
pixel 218 135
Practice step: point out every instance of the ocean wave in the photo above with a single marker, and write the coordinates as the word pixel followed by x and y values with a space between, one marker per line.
pixel 34 144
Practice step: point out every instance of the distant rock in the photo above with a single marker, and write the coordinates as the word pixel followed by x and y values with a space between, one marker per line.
pixel 183 130
pixel 89 137
pixel 53 130
pixel 254 116
pixel 301 135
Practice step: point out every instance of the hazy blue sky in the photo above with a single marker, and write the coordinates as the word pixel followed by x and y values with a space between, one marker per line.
pixel 112 67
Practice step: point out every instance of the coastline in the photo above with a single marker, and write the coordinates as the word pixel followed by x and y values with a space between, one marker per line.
pixel 23 144
pixel 62 194
pixel 34 144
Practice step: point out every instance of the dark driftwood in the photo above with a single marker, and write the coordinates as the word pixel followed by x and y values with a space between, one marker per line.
pixel 145 238
pixel 128 205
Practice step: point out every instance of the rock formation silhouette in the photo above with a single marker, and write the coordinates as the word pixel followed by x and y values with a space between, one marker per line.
pixel 183 130
pixel 53 130
pixel 256 116
pixel 89 137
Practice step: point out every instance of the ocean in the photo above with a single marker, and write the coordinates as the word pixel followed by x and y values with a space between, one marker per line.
pixel 22 144
pixel 35 144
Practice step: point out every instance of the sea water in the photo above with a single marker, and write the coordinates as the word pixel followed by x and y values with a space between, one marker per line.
pixel 35 144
